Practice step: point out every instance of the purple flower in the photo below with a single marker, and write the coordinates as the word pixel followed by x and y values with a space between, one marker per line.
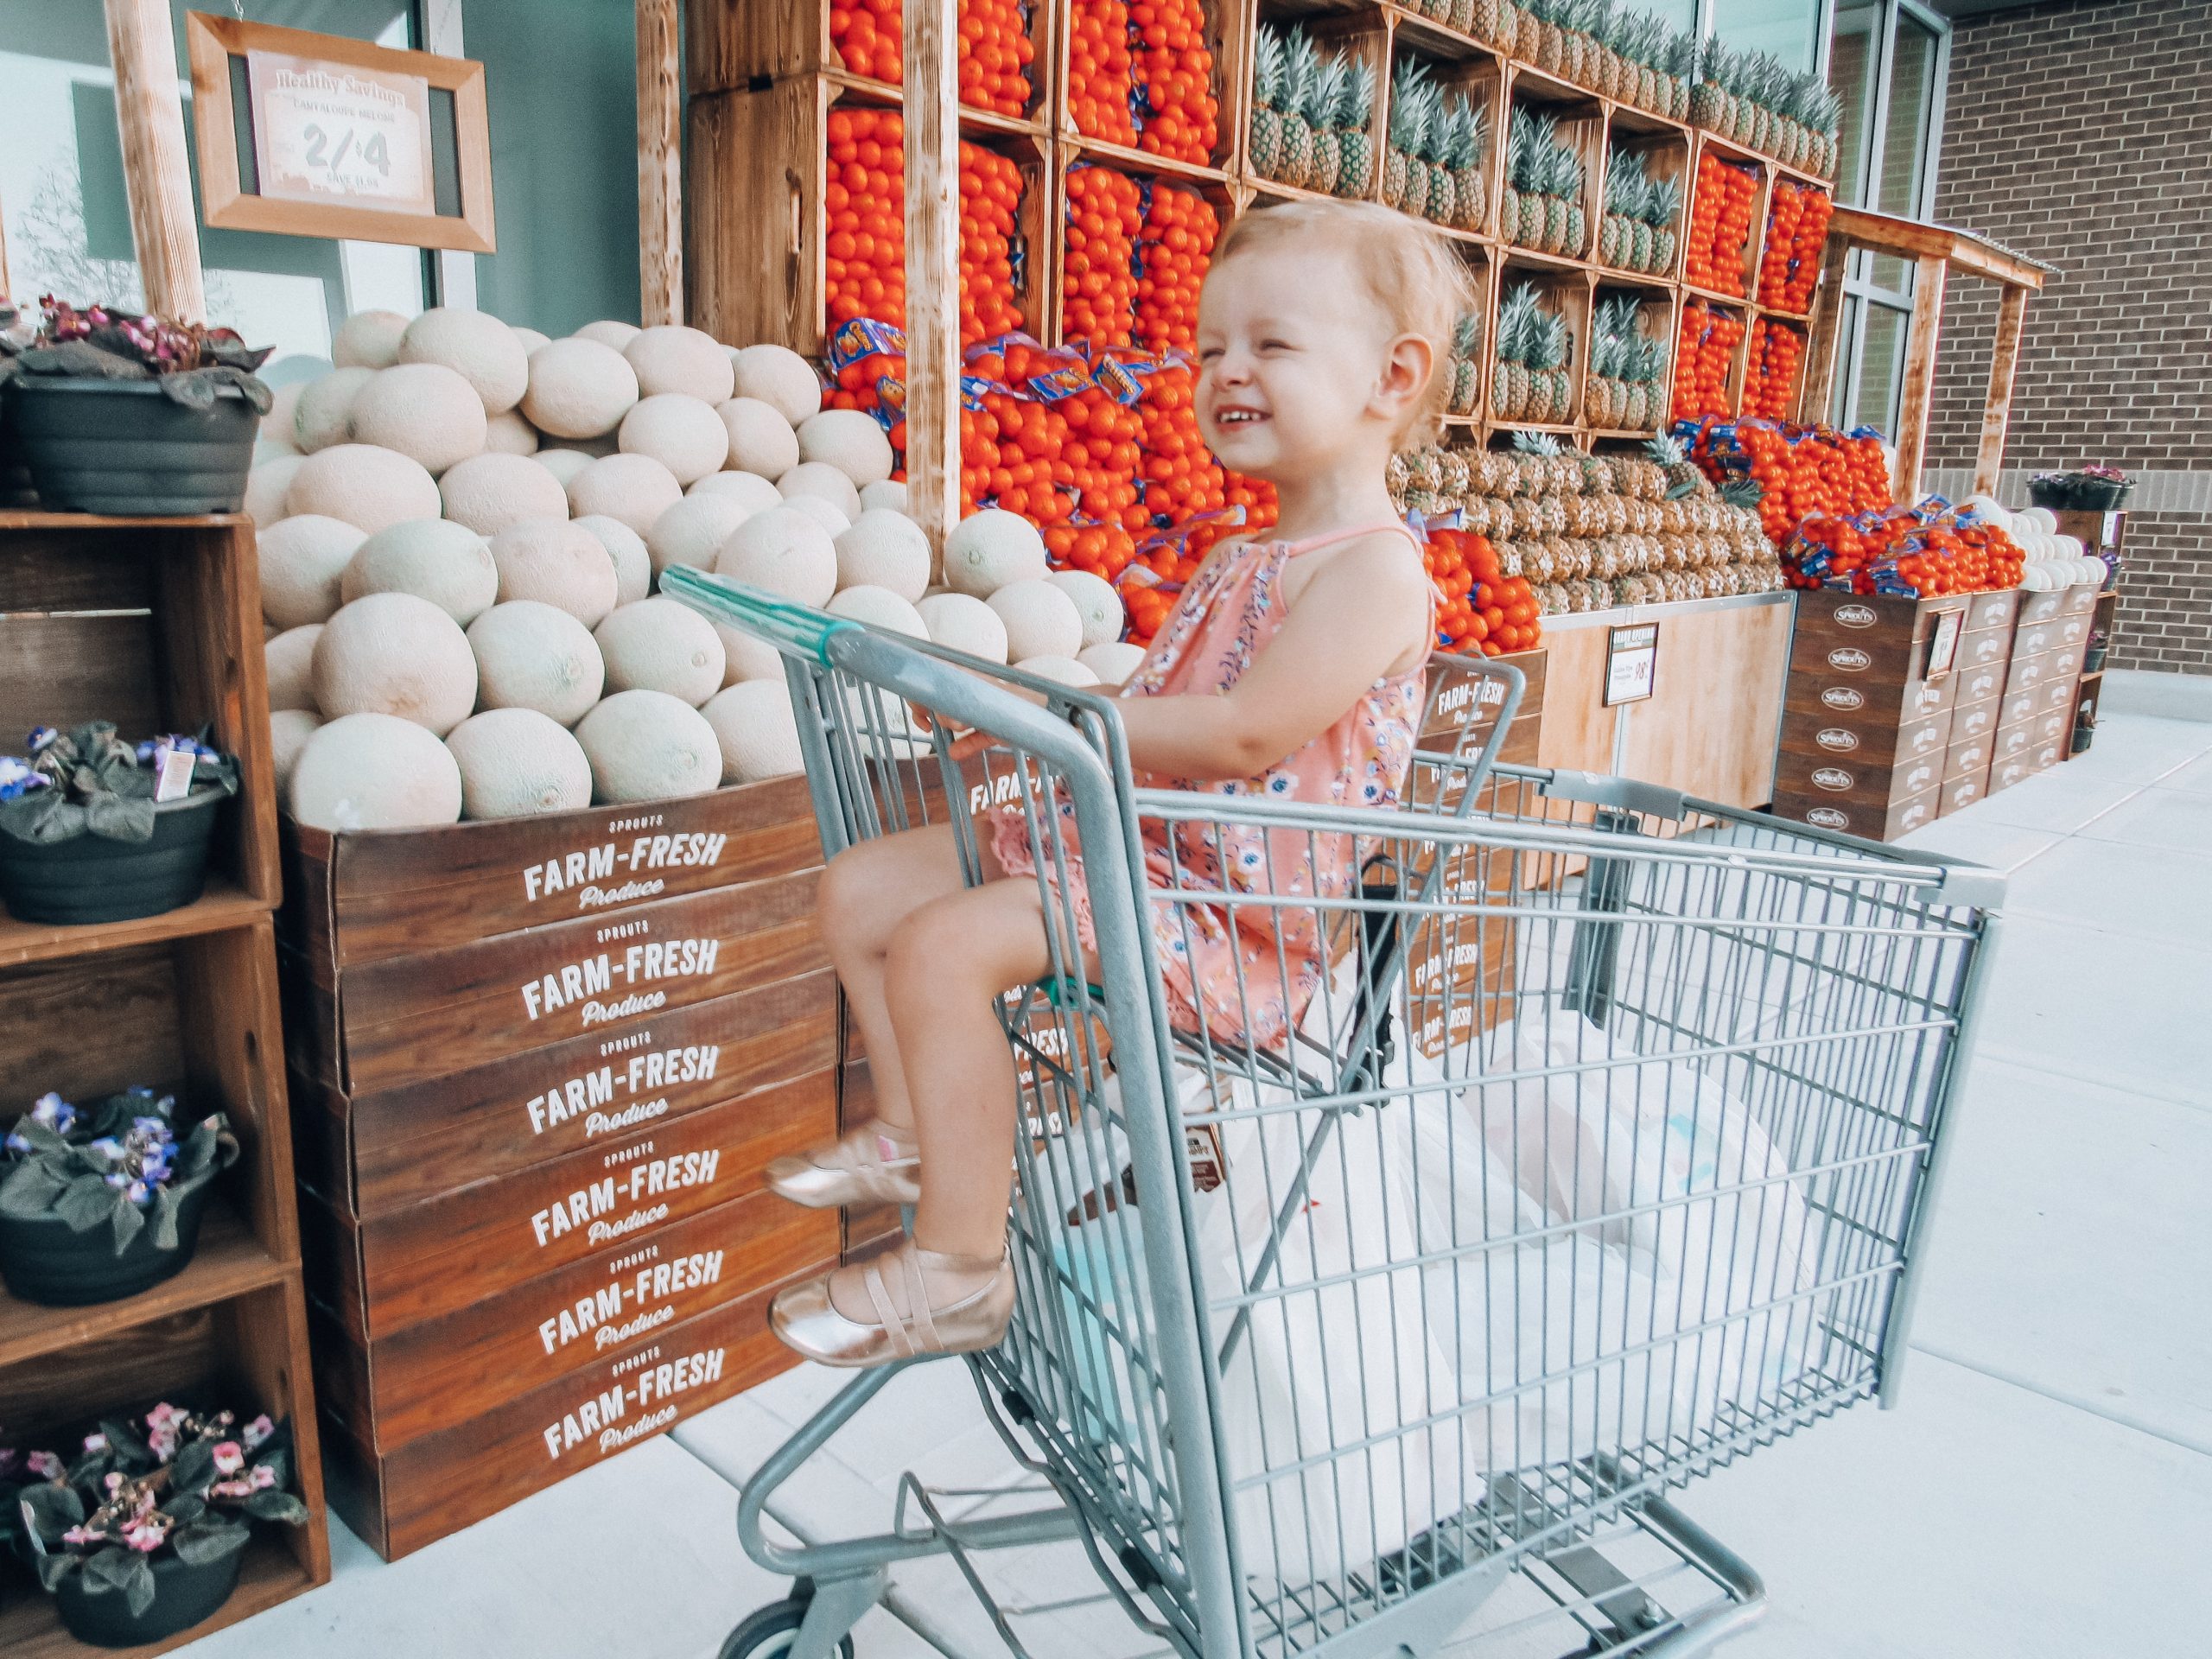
pixel 54 1112
pixel 41 739
pixel 95 1442
pixel 257 1432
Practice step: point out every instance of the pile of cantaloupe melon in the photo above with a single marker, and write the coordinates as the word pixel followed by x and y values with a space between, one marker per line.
pixel 462 525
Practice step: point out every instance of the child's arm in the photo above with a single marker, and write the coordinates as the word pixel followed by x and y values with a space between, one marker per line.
pixel 1362 613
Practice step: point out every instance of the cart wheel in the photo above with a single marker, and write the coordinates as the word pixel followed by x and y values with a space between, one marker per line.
pixel 769 1633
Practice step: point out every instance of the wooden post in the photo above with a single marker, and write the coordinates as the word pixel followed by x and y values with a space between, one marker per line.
pixel 156 175
pixel 660 163
pixel 1824 334
pixel 1919 390
pixel 932 154
pixel 2004 365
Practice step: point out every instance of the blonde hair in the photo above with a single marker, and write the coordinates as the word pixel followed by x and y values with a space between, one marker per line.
pixel 1413 273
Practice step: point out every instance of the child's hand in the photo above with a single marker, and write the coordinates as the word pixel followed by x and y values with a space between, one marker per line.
pixel 1362 615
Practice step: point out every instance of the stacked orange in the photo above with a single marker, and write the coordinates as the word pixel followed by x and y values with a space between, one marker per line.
pixel 1178 238
pixel 1099 72
pixel 990 198
pixel 1482 608
pixel 1098 278
pixel 864 217
pixel 1770 383
pixel 1703 352
pixel 1174 77
pixel 995 51
pixel 1796 235
pixel 1181 479
pixel 1720 224
pixel 1802 472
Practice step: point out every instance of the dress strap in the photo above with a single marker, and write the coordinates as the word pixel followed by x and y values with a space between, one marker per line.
pixel 1291 550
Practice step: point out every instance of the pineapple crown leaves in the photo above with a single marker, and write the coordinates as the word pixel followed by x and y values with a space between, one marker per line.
pixel 1650 360
pixel 1323 91
pixel 1517 319
pixel 1300 62
pixel 1267 68
pixel 1355 106
pixel 1682 57
pixel 1666 451
pixel 1565 173
pixel 1534 139
pixel 1662 203
pixel 1410 95
pixel 1626 185
pixel 1745 492
pixel 1467 335
pixel 1540 444
pixel 1551 346
pixel 1462 137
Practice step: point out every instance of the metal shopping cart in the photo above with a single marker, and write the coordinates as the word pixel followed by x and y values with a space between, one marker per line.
pixel 1600 1157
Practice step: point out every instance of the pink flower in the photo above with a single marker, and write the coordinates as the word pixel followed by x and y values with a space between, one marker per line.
pixel 44 1465
pixel 231 1488
pixel 95 1442
pixel 147 1536
pixel 257 1431
pixel 82 1535
pixel 114 1479
pixel 263 1477
pixel 229 1459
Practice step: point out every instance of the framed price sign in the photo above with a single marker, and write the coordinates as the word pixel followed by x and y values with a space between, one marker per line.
pixel 1631 662
pixel 317 134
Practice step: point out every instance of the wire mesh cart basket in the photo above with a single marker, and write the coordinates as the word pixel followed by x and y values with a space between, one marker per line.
pixel 1374 1308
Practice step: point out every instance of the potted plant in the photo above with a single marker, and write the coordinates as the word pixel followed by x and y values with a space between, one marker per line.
pixel 16 489
pixel 2093 489
pixel 96 829
pixel 103 1204
pixel 117 413
pixel 143 1534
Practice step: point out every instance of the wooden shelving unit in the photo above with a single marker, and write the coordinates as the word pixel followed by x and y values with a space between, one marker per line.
pixel 154 623
pixel 2102 533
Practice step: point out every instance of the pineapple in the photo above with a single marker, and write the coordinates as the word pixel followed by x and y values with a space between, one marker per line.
pixel 1680 474
pixel 1535 180
pixel 1355 133
pixel 1517 175
pixel 1578 221
pixel 1461 16
pixel 1509 380
pixel 1409 131
pixel 1266 94
pixel 1302 65
pixel 1624 188
pixel 1562 186
pixel 1466 369
pixel 1484 20
pixel 1663 210
pixel 1429 111
pixel 1323 93
pixel 1443 195
pixel 1551 42
pixel 1468 189
pixel 1598 395
pixel 1543 362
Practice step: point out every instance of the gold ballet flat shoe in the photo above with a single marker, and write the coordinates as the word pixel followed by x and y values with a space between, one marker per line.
pixel 863 1166
pixel 806 1321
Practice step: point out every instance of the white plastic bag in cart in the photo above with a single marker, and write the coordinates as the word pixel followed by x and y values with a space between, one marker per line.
pixel 1327 1399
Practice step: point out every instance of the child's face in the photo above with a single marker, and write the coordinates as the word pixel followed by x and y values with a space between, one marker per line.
pixel 1298 369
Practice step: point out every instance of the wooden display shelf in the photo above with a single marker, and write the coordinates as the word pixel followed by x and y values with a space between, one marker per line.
pixel 230 1261
pixel 1101 152
pixel 975 123
pixel 31 1629
pixel 221 906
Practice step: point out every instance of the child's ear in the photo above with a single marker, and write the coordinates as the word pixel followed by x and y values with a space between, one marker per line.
pixel 1407 365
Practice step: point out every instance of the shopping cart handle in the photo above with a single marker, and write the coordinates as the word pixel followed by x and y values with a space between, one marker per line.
pixel 1627 794
pixel 798 629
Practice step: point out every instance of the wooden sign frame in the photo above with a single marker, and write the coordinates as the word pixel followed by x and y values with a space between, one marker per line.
pixel 1629 640
pixel 213 42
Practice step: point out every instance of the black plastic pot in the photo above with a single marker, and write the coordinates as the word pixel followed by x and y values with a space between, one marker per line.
pixel 123 447
pixel 44 1261
pixel 91 879
pixel 15 488
pixel 2100 494
pixel 183 1597
pixel 2094 659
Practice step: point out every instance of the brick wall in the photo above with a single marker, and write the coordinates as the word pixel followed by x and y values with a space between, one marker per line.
pixel 2081 134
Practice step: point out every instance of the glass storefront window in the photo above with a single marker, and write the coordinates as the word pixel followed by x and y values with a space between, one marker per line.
pixel 1854 69
pixel 1789 30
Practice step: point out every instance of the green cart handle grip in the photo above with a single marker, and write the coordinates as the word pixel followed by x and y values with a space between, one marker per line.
pixel 788 626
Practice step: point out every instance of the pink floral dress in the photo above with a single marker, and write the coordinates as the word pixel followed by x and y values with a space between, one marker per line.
pixel 1221 961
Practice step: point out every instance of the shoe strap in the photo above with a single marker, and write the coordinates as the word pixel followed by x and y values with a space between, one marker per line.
pixel 902 1343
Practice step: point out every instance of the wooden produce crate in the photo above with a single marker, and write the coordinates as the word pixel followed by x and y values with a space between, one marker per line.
pixel 1873 741
pixel 2041 685
pixel 415 1494
pixel 1658 317
pixel 154 624
pixel 1225 30
pixel 1580 120
pixel 1664 148
pixel 2104 534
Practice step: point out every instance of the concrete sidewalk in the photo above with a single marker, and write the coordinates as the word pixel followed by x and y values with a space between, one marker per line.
pixel 2044 1488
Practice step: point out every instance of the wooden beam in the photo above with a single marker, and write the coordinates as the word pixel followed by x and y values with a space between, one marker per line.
pixel 1918 394
pixel 1824 334
pixel 157 175
pixel 1908 239
pixel 6 291
pixel 660 163
pixel 1997 412
pixel 932 155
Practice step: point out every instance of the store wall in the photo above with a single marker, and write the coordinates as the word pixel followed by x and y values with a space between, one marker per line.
pixel 2081 134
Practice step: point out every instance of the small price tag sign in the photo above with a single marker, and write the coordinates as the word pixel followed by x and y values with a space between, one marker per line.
pixel 341 133
pixel 1943 630
pixel 1631 662
pixel 173 773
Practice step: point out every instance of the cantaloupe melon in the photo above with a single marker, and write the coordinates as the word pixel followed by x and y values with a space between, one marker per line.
pixel 508 434
pixel 1095 602
pixel 755 730
pixel 692 530
pixel 820 478
pixel 671 357
pixel 748 656
pixel 578 388
pixel 368 340
pixel 289 731
pixel 395 654
pixel 531 339
pixel 436 559
pixel 755 492
pixel 988 550
pixel 324 414
pixel 879 607
pixel 515 762
pixel 962 622
pixel 647 746
pixel 779 378
pixel 268 484
pixel 890 493
pixel 423 411
pixel 783 551
pixel 824 513
pixel 490 491
pixel 760 440
pixel 477 346
pixel 658 644
pixel 1040 620
pixel 373 771
pixel 1113 663
pixel 635 489
pixel 851 441
pixel 288 664
pixel 303 558
pixel 883 549
pixel 681 433
pixel 1068 670
pixel 563 464
pixel 633 565
pixel 608 332
pixel 535 656
pixel 367 486
pixel 558 564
